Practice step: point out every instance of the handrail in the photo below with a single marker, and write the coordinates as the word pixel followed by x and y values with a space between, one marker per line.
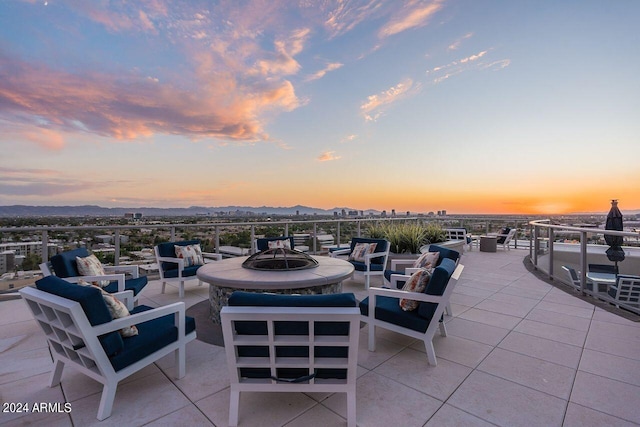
pixel 583 231
pixel 217 226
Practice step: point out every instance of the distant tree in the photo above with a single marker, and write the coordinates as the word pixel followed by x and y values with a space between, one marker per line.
pixel 31 262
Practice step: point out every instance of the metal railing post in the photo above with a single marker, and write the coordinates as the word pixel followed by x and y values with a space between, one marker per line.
pixel 338 234
pixel 173 234
pixel 286 229
pixel 217 239
pixel 551 238
pixel 116 244
pixel 315 237
pixel 45 246
pixel 583 261
pixel 536 245
pixel 253 239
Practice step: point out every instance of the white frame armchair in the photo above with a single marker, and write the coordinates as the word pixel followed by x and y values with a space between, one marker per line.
pixel 180 278
pixel 367 271
pixel 74 341
pixel 434 323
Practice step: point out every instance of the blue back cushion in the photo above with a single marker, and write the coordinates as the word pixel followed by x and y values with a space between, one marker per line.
pixel 381 246
pixel 65 265
pixel 501 239
pixel 254 299
pixel 444 253
pixel 167 249
pixel 92 304
pixel 437 285
pixel 263 243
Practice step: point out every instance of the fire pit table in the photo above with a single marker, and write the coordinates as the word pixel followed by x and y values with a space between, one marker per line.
pixel 324 275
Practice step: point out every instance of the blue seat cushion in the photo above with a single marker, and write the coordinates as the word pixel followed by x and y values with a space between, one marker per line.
pixel 92 304
pixel 134 284
pixel 361 266
pixel 388 310
pixel 168 249
pixel 187 272
pixel 152 336
pixel 65 265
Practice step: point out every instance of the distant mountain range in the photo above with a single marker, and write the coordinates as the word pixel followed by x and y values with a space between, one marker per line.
pixel 92 210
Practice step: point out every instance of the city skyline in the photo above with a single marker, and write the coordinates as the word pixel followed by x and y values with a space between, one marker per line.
pixel 525 107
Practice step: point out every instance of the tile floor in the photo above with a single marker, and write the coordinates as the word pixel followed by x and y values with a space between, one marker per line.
pixel 519 353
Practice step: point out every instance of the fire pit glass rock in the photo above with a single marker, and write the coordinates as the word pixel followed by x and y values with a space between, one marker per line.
pixel 280 259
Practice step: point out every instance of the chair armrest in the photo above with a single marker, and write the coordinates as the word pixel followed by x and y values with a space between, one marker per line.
pixel 398 293
pixel 212 255
pixel 126 297
pixel 133 270
pixel 335 253
pixel 179 261
pixel 110 277
pixel 117 324
pixel 396 263
pixel 395 278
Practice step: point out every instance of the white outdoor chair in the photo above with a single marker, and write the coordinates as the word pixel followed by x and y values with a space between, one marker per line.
pixel 174 269
pixel 505 239
pixel 82 334
pixel 291 343
pixel 381 308
pixel 626 292
pixel 373 264
pixel 64 265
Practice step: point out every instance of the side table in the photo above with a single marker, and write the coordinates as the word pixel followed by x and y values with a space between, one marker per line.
pixel 488 244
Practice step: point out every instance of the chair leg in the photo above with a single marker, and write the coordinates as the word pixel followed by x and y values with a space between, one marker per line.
pixel 443 329
pixel 164 284
pixel 234 407
pixel 372 337
pixel 447 309
pixel 351 408
pixel 106 400
pixel 56 373
pixel 366 281
pixel 180 362
pixel 181 290
pixel 431 352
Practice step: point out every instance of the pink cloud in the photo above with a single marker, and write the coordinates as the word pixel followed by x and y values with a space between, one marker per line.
pixel 328 156
pixel 414 14
pixel 129 106
pixel 371 109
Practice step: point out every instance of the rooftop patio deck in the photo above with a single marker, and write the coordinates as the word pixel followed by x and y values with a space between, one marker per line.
pixel 520 352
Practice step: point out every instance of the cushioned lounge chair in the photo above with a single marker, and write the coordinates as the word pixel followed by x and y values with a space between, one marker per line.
pixel 81 333
pixel 175 269
pixel 64 265
pixel 382 308
pixel 372 264
pixel 291 343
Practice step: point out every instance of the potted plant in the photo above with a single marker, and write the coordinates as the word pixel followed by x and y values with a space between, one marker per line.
pixel 405 237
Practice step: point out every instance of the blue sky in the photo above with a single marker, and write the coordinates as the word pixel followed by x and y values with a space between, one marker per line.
pixel 468 106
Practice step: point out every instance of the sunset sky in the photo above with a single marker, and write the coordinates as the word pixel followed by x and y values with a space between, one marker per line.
pixel 470 106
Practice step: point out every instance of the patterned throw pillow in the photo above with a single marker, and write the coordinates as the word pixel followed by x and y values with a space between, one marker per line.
pixel 192 254
pixel 279 244
pixel 360 250
pixel 116 308
pixel 427 260
pixel 416 283
pixel 91 266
